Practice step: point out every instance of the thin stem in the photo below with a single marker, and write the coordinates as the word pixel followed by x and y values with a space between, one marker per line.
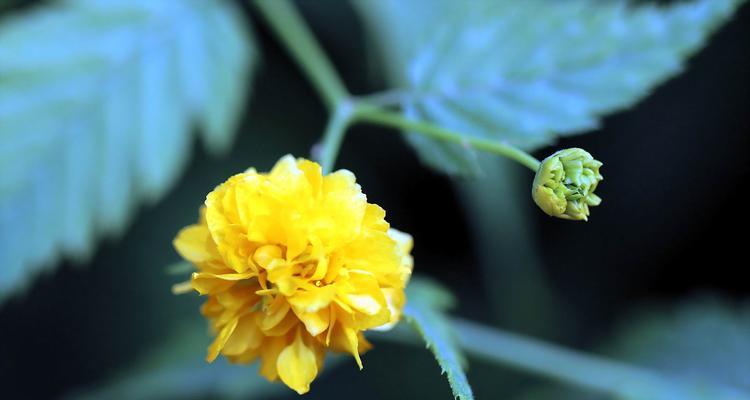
pixel 367 113
pixel 291 29
pixel 334 135
pixel 387 98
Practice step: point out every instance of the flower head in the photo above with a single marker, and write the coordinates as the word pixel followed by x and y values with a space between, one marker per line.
pixel 565 182
pixel 294 264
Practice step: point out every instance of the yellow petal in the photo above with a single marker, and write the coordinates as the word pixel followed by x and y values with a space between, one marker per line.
pixel 264 255
pixel 206 282
pixel 297 365
pixel 246 336
pixel 269 355
pixel 275 313
pixel 221 340
pixel 313 299
pixel 315 322
pixel 194 243
pixel 363 303
pixel 289 322
pixel 313 173
pixel 346 339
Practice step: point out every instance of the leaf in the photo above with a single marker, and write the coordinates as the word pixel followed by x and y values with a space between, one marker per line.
pixel 98 102
pixel 177 369
pixel 527 72
pixel 424 311
pixel 703 342
pixel 518 292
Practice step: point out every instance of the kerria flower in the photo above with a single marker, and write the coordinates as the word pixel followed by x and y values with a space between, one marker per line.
pixel 294 264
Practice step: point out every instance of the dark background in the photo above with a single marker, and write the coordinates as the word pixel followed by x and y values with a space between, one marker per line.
pixel 673 224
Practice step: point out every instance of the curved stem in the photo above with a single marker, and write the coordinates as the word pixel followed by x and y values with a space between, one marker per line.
pixel 287 23
pixel 367 113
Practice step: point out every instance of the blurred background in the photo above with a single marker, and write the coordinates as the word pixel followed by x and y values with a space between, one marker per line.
pixel 665 253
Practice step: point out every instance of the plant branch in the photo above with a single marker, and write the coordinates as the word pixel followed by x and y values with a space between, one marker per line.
pixel 334 135
pixel 367 113
pixel 288 25
pixel 293 32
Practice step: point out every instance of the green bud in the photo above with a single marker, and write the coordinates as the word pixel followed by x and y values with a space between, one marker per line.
pixel 565 182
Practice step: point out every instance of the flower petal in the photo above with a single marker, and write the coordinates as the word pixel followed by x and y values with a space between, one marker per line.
pixel 315 322
pixel 297 365
pixel 246 335
pixel 194 244
pixel 221 340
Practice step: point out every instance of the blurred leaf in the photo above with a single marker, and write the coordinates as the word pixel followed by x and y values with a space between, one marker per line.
pixel 526 72
pixel 518 291
pixel 705 342
pixel 424 311
pixel 177 370
pixel 97 105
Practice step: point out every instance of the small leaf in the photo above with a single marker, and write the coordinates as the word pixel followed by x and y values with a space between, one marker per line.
pixel 526 72
pixel 98 102
pixel 424 311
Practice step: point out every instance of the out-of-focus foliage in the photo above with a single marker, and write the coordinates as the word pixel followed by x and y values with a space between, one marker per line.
pixel 526 303
pixel 427 301
pixel 526 72
pixel 705 342
pixel 98 103
pixel 176 370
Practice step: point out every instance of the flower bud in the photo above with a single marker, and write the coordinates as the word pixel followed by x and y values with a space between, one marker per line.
pixel 565 182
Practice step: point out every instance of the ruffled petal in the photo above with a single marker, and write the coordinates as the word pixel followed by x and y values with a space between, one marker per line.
pixel 297 365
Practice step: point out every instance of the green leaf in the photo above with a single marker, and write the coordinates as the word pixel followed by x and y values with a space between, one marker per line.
pixel 518 292
pixel 98 104
pixel 424 311
pixel 703 342
pixel 527 72
pixel 177 369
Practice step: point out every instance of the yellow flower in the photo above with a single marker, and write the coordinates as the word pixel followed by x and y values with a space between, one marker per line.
pixel 294 264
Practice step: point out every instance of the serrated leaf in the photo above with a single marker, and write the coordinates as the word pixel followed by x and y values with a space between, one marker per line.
pixel 98 103
pixel 527 72
pixel 424 311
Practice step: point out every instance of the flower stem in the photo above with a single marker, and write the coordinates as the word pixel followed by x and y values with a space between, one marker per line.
pixel 334 135
pixel 291 29
pixel 367 113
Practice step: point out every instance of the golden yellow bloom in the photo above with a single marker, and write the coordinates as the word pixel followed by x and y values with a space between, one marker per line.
pixel 294 264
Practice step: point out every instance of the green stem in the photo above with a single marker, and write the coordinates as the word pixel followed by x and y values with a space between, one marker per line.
pixel 367 113
pixel 334 135
pixel 291 29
